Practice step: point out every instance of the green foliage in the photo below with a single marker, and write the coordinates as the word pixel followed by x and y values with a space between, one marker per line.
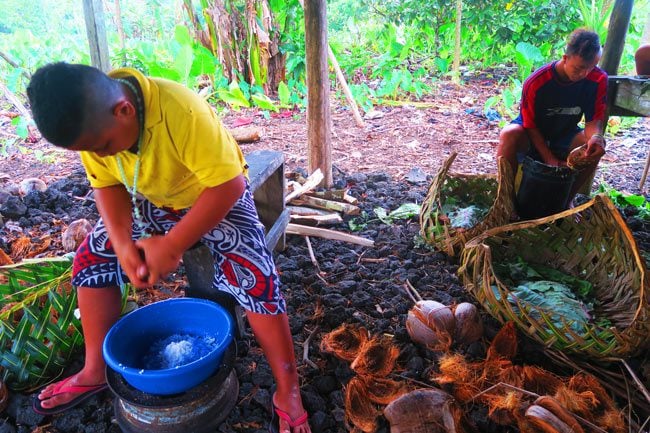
pixel 595 14
pixel 623 200
pixel 405 211
pixel 527 58
pixel 506 102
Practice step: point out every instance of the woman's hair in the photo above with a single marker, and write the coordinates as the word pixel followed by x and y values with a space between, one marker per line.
pixel 68 98
pixel 584 43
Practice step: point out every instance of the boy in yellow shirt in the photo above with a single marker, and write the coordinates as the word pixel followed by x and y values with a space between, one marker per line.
pixel 166 175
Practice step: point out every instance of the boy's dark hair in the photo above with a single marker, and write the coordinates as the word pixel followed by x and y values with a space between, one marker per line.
pixel 66 98
pixel 584 43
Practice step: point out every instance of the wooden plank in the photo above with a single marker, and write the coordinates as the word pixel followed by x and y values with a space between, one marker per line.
pixel 319 137
pixel 632 94
pixel 96 31
pixel 297 229
pixel 261 163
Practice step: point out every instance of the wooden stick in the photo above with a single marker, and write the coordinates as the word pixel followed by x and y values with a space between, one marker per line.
pixel 16 102
pixel 306 211
pixel 297 229
pixel 312 182
pixel 305 349
pixel 332 218
pixel 636 380
pixel 334 194
pixel 321 203
pixel 15 65
pixel 312 257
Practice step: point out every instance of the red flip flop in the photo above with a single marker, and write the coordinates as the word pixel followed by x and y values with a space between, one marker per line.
pixel 84 393
pixel 274 426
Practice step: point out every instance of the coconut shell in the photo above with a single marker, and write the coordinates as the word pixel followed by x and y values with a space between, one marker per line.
pixel 75 234
pixel 424 411
pixel 31 184
pixel 432 324
pixel 545 421
pixel 578 158
pixel 468 323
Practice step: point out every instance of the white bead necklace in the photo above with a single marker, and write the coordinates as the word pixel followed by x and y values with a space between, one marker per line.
pixel 133 190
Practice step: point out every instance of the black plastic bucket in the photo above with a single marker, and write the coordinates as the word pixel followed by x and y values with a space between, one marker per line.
pixel 544 189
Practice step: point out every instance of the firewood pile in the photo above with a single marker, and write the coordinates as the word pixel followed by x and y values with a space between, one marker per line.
pixel 311 210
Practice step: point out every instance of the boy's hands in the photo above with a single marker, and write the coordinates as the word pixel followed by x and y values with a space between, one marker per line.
pixel 160 255
pixel 132 260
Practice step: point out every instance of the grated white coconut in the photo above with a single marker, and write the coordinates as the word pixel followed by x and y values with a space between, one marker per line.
pixel 176 353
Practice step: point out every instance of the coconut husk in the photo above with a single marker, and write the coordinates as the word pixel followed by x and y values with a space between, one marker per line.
pixel 502 408
pixel 20 247
pixel 580 403
pixel 458 376
pixel 359 410
pixel 585 382
pixel 424 411
pixel 605 412
pixel 578 158
pixel 469 326
pixel 345 341
pixel 540 381
pixel 376 357
pixel 612 421
pixel 382 390
pixel 504 344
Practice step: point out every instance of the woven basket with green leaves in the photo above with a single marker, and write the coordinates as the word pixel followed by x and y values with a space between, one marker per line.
pixel 451 193
pixel 592 252
pixel 38 329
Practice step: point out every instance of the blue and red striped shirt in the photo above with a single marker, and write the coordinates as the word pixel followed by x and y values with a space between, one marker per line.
pixel 555 108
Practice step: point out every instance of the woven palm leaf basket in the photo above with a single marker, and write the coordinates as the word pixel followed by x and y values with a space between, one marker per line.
pixel 491 192
pixel 38 329
pixel 591 244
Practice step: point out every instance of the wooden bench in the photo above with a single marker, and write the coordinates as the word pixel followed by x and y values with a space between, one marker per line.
pixel 266 179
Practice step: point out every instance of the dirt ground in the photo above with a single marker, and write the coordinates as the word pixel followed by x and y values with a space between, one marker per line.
pixel 394 140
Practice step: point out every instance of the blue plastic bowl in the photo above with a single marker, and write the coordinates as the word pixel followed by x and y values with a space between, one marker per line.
pixel 130 340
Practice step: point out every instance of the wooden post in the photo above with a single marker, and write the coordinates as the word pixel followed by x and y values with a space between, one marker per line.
pixel 619 22
pixel 96 31
pixel 319 140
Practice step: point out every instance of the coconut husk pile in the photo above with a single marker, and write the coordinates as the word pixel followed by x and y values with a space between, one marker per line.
pixel 373 358
pixel 528 397
pixel 525 397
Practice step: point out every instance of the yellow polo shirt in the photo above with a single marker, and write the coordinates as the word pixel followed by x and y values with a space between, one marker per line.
pixel 184 149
